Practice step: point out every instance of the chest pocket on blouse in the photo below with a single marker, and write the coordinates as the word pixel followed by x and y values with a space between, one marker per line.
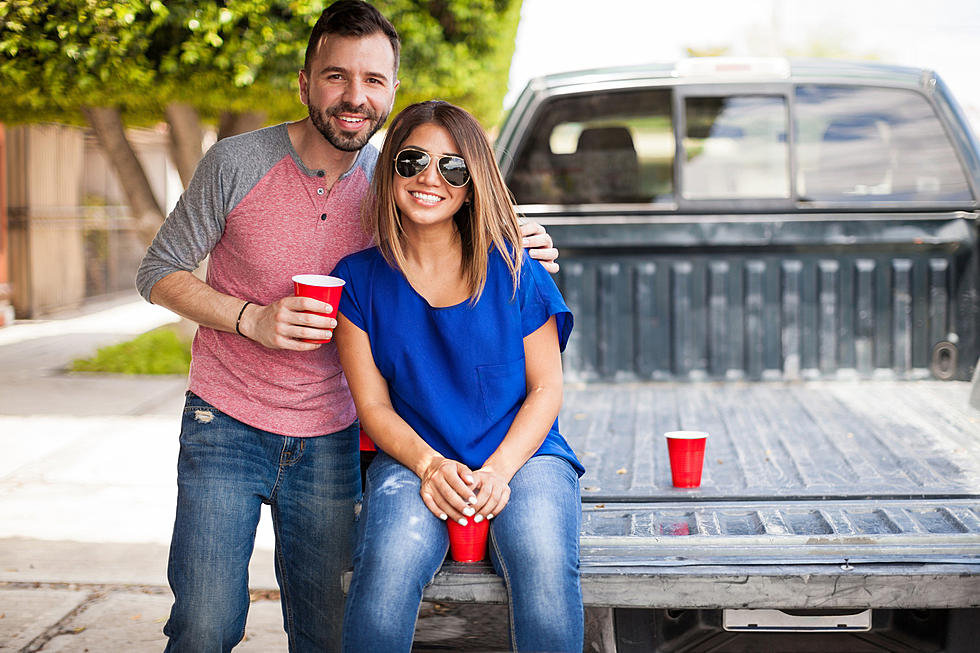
pixel 503 387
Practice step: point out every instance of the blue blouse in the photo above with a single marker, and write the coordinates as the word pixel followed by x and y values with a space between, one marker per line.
pixel 455 374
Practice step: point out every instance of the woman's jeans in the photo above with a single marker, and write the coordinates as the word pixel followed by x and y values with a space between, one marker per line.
pixel 225 472
pixel 534 546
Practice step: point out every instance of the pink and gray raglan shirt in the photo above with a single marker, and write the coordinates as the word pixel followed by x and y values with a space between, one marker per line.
pixel 263 217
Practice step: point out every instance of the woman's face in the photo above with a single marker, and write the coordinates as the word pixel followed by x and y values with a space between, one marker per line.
pixel 427 198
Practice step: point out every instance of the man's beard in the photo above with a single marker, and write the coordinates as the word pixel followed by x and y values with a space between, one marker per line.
pixel 340 140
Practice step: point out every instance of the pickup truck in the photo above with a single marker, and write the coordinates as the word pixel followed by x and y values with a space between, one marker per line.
pixel 783 254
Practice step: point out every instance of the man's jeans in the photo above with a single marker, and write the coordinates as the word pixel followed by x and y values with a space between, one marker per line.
pixel 225 472
pixel 534 545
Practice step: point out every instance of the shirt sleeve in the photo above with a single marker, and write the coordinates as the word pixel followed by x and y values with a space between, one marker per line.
pixel 540 299
pixel 350 305
pixel 191 230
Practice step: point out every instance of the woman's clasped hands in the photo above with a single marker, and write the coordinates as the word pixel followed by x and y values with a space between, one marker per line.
pixel 451 490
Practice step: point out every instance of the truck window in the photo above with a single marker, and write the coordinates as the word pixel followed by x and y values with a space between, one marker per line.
pixel 857 143
pixel 735 147
pixel 615 147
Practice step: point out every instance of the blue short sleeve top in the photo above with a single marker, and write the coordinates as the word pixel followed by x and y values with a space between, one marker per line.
pixel 455 374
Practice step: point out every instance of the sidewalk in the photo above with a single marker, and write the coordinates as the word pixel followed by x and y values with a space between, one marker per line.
pixel 87 493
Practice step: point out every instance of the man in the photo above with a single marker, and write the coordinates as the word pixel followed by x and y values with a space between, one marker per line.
pixel 268 417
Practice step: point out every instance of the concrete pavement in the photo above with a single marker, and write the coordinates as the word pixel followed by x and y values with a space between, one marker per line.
pixel 87 490
pixel 87 495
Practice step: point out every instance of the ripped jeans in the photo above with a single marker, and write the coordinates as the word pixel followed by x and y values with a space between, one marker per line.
pixel 226 470
pixel 534 546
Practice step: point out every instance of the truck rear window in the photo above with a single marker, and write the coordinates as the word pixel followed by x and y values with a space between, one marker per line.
pixel 859 143
pixel 735 147
pixel 853 144
pixel 615 147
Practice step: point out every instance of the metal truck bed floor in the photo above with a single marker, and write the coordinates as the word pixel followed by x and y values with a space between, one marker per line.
pixel 807 440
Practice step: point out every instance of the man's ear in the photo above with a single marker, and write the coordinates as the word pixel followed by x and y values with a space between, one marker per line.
pixel 304 87
pixel 394 89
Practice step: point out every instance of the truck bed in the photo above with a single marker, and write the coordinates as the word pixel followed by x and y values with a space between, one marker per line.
pixel 793 441
pixel 881 508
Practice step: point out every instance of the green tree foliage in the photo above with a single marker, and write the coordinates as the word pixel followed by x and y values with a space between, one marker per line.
pixel 56 57
pixel 456 50
pixel 237 55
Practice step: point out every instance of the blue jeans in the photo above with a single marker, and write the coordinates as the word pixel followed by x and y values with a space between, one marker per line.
pixel 534 546
pixel 225 472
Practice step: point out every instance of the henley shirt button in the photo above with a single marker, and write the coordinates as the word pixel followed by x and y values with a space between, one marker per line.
pixel 320 173
pixel 319 191
pixel 323 216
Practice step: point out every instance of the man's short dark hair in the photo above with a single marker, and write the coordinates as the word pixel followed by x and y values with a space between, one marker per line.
pixel 351 18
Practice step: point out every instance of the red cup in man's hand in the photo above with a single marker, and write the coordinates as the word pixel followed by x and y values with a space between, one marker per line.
pixel 322 287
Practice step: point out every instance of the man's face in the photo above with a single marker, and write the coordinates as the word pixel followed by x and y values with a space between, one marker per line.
pixel 350 88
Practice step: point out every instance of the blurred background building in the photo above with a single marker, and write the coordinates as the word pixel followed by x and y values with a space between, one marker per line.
pixel 66 233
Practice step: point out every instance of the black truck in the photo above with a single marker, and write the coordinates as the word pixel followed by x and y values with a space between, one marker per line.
pixel 783 254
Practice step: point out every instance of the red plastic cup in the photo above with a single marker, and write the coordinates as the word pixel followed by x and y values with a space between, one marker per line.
pixel 468 543
pixel 319 286
pixel 686 449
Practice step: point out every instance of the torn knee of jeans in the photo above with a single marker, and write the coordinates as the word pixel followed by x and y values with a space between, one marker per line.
pixel 203 416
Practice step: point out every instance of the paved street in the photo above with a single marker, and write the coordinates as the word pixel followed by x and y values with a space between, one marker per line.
pixel 87 491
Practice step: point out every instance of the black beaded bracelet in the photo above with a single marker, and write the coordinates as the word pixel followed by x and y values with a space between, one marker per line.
pixel 238 322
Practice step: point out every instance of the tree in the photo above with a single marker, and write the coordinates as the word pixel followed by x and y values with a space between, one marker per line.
pixel 233 63
pixel 111 64
pixel 456 50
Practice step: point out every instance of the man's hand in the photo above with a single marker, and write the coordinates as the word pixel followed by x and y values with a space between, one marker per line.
pixel 286 323
pixel 539 245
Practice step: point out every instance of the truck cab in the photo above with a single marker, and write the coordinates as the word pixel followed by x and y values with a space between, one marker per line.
pixel 755 219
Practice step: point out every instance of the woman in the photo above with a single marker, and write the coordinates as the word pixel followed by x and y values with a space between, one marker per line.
pixel 451 342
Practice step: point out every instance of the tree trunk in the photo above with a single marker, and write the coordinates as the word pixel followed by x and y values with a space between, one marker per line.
pixel 185 139
pixel 233 123
pixel 108 126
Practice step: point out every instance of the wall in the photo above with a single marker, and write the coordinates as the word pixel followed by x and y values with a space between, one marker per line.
pixel 6 308
pixel 44 167
pixel 71 236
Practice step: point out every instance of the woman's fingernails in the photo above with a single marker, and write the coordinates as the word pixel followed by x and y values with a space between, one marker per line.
pixel 462 521
pixel 471 500
pixel 468 479
pixel 478 519
pixel 490 515
pixel 443 516
pixel 469 512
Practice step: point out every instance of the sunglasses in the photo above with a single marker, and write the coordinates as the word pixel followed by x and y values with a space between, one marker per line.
pixel 411 162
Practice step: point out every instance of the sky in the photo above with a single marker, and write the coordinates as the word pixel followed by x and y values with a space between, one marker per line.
pixel 561 35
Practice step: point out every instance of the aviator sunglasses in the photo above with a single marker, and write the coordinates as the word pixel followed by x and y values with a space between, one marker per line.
pixel 412 162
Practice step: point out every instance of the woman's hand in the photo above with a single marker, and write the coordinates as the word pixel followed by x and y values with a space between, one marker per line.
pixel 447 489
pixel 493 492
